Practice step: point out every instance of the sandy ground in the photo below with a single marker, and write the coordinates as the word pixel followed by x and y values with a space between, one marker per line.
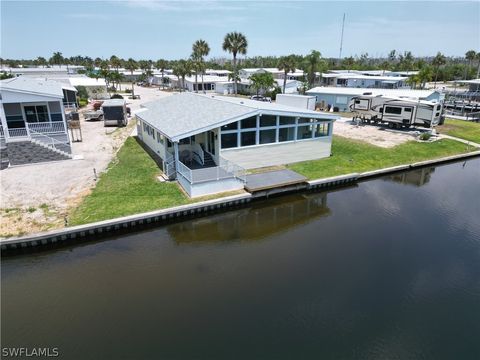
pixel 373 134
pixel 37 197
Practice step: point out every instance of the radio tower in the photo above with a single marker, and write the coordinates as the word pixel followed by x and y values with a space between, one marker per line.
pixel 341 40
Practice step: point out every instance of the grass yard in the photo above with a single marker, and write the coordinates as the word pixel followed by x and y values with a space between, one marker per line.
pixel 462 129
pixel 129 186
pixel 351 156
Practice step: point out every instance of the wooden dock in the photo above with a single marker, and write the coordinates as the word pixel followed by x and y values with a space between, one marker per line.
pixel 273 180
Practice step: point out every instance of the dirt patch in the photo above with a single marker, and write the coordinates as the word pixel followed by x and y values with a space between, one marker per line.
pixel 372 134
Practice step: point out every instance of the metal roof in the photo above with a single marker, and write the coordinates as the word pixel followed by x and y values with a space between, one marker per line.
pixel 20 84
pixel 87 81
pixel 186 114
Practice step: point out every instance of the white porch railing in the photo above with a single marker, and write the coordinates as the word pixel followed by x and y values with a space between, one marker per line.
pixel 226 170
pixel 47 127
pixel 169 166
pixel 17 132
pixel 50 142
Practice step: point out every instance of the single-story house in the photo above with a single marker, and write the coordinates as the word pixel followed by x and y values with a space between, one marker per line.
pixel 363 81
pixel 277 74
pixel 207 141
pixel 96 88
pixel 33 125
pixel 339 98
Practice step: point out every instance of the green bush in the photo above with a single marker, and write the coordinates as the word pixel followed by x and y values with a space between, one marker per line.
pixel 425 136
pixel 82 92
pixel 82 102
pixel 128 90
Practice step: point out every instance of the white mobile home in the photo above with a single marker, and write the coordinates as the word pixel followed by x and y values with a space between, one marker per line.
pixel 207 141
pixel 33 125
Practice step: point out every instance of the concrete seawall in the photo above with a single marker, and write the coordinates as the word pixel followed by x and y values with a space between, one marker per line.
pixel 95 231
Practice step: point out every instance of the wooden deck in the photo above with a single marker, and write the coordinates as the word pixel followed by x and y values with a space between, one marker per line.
pixel 273 179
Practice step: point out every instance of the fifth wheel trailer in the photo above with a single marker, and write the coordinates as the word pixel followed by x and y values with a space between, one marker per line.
pixel 397 112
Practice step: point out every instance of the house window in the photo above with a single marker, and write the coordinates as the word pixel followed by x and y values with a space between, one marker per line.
pixel 304 132
pixel 342 100
pixel 287 120
pixel 286 134
pixel 268 120
pixel 268 136
pixel 248 138
pixel 393 110
pixel 232 126
pixel 304 120
pixel 229 140
pixel 37 113
pixel 320 130
pixel 249 123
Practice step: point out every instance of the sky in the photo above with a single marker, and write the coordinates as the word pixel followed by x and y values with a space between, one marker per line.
pixel 153 29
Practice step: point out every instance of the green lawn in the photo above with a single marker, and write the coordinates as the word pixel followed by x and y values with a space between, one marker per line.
pixel 462 129
pixel 129 186
pixel 351 156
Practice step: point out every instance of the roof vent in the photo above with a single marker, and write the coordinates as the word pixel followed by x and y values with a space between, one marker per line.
pixel 241 102
pixel 367 93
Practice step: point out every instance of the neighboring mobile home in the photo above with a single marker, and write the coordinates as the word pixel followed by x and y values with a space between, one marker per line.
pixel 33 126
pixel 207 141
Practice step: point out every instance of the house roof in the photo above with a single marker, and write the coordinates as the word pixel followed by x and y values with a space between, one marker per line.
pixel 186 114
pixel 21 84
pixel 87 81
pixel 414 94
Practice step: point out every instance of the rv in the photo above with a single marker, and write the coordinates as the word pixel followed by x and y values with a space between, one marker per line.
pixel 114 112
pixel 396 112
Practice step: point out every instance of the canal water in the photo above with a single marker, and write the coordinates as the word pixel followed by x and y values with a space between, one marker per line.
pixel 388 269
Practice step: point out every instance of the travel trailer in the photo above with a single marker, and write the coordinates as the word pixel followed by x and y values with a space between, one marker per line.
pixel 114 112
pixel 396 112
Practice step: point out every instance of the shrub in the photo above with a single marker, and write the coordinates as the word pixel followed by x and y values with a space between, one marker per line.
pixel 128 91
pixel 116 96
pixel 82 102
pixel 425 136
pixel 82 92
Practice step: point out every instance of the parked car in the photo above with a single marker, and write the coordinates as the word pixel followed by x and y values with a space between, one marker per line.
pixel 261 98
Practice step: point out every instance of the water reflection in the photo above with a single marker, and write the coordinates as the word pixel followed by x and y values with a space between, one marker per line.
pixel 418 177
pixel 260 220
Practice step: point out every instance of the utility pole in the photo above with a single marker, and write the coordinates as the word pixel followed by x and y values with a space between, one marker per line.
pixel 341 40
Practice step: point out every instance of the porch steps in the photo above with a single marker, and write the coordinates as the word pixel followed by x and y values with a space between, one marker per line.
pixel 208 160
pixel 58 151
pixel 30 152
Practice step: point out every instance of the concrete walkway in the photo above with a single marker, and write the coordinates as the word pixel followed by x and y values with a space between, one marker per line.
pixel 471 143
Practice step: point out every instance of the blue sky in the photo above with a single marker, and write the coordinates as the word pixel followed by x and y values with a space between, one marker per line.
pixel 166 29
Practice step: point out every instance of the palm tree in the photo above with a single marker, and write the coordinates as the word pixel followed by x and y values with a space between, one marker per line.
pixel 146 66
pixel 200 49
pixel 115 62
pixel 438 61
pixel 56 58
pixel 287 64
pixel 313 63
pixel 181 69
pixel 235 43
pixel 131 65
pixel 424 75
pixel 470 56
pixel 262 81
pixel 41 61
pixel 161 65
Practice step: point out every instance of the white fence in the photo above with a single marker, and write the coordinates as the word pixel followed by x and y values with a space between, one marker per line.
pixel 48 128
pixel 226 170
